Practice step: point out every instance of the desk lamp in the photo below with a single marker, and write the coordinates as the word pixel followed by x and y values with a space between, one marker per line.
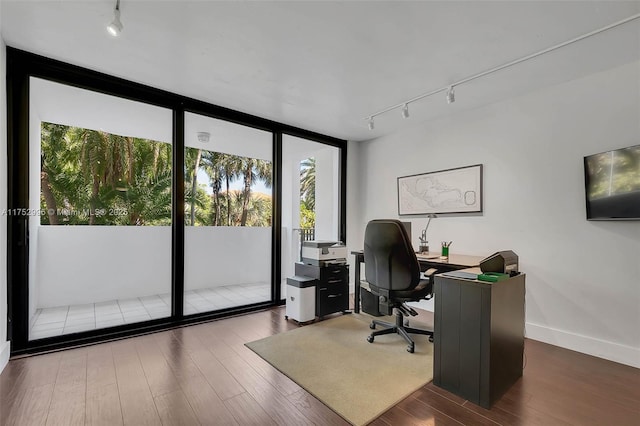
pixel 424 244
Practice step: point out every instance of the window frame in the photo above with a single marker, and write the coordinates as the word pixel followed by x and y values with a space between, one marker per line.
pixel 21 66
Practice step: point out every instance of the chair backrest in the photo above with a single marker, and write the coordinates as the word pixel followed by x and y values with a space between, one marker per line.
pixel 389 259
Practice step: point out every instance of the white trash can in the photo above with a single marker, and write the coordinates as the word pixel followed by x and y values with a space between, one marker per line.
pixel 301 298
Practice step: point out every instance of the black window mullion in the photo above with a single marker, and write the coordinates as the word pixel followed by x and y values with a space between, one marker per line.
pixel 276 221
pixel 17 199
pixel 177 222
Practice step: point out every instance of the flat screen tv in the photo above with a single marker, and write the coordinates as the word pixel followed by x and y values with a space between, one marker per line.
pixel 612 182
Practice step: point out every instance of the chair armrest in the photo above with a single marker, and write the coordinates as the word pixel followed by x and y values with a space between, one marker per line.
pixel 429 272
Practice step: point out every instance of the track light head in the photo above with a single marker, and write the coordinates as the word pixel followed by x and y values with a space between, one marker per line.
pixel 115 27
pixel 451 95
pixel 371 123
pixel 405 111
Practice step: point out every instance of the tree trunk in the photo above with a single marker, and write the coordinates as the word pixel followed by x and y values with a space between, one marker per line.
pixel 49 199
pixel 95 189
pixel 156 155
pixel 216 197
pixel 228 201
pixel 130 160
pixel 194 187
pixel 246 193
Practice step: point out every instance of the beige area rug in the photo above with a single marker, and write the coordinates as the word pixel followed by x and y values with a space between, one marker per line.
pixel 333 361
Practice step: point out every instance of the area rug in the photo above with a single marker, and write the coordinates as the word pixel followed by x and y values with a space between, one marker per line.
pixel 333 361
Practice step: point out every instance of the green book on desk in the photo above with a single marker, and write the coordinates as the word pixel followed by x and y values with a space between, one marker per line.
pixel 492 277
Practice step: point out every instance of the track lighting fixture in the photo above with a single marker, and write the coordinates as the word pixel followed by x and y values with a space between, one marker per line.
pixel 451 95
pixel 115 27
pixel 405 111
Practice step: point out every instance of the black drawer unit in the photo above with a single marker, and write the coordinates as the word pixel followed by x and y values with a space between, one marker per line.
pixel 478 344
pixel 332 290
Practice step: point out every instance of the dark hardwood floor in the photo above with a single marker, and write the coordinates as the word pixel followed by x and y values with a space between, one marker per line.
pixel 203 374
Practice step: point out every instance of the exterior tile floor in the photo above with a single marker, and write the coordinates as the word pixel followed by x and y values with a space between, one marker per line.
pixel 76 318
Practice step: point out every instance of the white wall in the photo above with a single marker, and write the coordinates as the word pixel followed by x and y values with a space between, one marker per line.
pixel 4 344
pixel 583 278
pixel 87 264
pixel 226 255
pixel 327 193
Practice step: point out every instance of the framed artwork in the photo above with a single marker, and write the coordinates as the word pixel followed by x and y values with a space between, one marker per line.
pixel 445 191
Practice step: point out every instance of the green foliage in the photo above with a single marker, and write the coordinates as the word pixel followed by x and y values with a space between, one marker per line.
pixel 307 217
pixel 308 182
pixel 228 207
pixel 308 193
pixel 90 177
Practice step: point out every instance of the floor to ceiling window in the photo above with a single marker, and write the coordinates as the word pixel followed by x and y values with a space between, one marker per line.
pixel 133 209
pixel 100 198
pixel 228 214
pixel 311 179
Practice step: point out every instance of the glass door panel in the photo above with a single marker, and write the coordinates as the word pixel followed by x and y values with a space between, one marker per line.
pixel 228 209
pixel 99 226
pixel 310 197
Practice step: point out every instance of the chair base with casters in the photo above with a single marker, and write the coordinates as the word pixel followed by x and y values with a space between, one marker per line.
pixel 399 328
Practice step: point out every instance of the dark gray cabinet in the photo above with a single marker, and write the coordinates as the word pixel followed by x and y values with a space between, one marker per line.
pixel 332 289
pixel 479 337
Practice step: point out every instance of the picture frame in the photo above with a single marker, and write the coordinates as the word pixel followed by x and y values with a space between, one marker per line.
pixel 455 191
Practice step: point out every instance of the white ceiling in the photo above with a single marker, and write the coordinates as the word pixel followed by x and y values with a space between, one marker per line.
pixel 324 66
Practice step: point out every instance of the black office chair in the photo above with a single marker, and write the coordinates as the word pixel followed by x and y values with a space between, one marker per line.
pixel 393 273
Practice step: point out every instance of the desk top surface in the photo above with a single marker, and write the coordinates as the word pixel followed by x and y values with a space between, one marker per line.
pixel 454 259
pixel 462 260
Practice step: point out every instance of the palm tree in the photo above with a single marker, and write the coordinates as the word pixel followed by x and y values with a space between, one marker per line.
pixel 231 165
pixel 192 164
pixel 249 176
pixel 254 169
pixel 52 147
pixel 212 166
pixel 308 182
pixel 83 167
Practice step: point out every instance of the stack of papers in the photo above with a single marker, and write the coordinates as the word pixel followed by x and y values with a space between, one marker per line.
pixel 460 274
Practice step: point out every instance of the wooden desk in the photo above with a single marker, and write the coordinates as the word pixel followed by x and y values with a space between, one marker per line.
pixel 426 260
pixel 453 262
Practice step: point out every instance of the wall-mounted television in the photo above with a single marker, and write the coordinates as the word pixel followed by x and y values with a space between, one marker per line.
pixel 612 184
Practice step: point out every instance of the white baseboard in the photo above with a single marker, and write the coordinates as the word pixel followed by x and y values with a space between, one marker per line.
pixel 4 354
pixel 600 348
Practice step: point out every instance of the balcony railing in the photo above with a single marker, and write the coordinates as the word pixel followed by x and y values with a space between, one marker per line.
pixel 306 234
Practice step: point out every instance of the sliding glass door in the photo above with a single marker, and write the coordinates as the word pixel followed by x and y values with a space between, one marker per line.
pixel 311 188
pixel 132 209
pixel 228 214
pixel 99 210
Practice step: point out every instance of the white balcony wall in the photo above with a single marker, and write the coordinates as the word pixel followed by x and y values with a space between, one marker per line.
pixel 89 264
pixel 226 255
